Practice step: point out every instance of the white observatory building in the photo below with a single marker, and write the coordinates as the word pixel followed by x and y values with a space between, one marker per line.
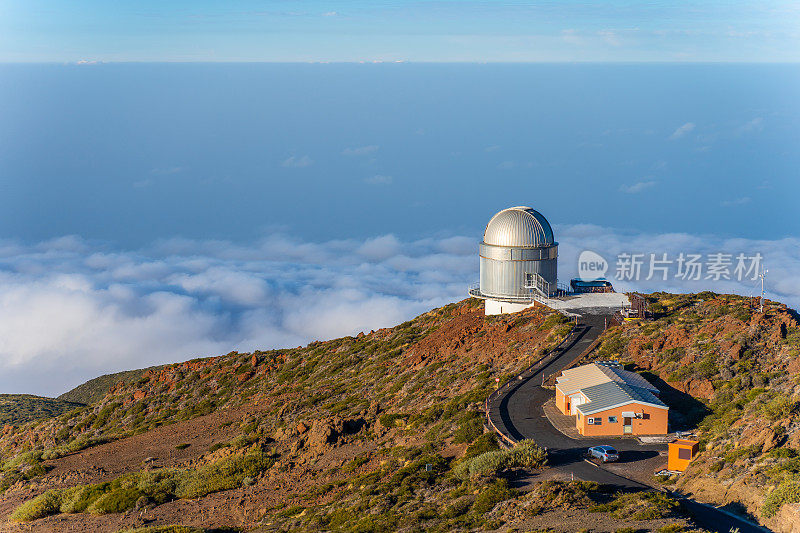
pixel 518 258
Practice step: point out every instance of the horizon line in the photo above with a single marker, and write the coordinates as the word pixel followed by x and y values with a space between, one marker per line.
pixel 98 62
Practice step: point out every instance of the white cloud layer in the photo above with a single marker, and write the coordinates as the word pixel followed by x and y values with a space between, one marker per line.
pixel 71 310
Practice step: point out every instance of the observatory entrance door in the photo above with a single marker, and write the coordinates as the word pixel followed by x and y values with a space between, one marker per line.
pixel 537 283
pixel 627 426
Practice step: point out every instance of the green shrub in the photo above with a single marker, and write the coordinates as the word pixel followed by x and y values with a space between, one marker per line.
pixel 390 420
pixel 43 505
pixel 742 452
pixel 470 429
pixel 486 463
pixel 225 474
pixel 717 466
pixel 82 497
pixel 487 442
pixel 783 453
pixel 116 501
pixel 243 441
pixel 491 495
pixel 182 446
pixel 217 446
pixel 105 414
pixel 791 466
pixel 554 494
pixel 639 506
pixel 778 407
pixel 25 458
pixel 458 507
pixel 526 454
pixel 289 512
pixel 355 464
pixel 788 491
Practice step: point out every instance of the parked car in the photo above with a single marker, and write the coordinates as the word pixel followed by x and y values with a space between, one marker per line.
pixel 605 454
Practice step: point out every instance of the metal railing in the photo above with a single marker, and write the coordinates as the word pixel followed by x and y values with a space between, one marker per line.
pixel 534 292
pixel 475 291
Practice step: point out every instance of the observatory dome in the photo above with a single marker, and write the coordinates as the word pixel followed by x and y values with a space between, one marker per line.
pixel 518 226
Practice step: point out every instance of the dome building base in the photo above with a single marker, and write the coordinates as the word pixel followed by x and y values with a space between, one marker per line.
pixel 569 304
pixel 496 307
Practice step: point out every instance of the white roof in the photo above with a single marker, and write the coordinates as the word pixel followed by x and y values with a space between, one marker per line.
pixel 575 379
pixel 583 377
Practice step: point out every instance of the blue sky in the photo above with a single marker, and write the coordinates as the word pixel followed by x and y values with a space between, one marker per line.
pixel 202 30
pixel 131 153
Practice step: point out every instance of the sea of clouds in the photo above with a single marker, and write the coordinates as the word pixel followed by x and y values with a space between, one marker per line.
pixel 71 309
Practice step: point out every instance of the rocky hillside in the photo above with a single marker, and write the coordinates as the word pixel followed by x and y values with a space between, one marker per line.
pixel 734 373
pixel 378 432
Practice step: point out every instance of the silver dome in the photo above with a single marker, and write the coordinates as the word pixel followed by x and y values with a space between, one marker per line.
pixel 518 226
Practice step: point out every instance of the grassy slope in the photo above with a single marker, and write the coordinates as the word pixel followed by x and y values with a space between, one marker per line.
pixel 379 432
pixel 16 409
pixel 95 389
pixel 734 372
pixel 387 361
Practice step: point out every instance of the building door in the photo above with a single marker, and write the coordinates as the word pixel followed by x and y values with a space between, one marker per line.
pixel 574 402
pixel 627 427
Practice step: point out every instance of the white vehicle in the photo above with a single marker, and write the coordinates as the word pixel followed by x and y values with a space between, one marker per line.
pixel 605 454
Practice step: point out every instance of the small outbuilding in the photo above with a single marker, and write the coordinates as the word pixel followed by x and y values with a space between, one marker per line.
pixel 607 400
pixel 580 286
pixel 681 453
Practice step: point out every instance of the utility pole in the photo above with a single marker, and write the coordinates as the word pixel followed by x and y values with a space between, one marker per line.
pixel 762 275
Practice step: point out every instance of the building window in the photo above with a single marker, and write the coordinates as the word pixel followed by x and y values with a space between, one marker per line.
pixel 590 421
pixel 598 421
pixel 612 419
pixel 579 415
pixel 684 453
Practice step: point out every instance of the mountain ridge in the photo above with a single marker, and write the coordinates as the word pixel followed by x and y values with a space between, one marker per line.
pixel 94 389
pixel 327 436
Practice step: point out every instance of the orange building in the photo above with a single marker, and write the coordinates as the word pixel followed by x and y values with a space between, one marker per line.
pixel 607 400
pixel 681 453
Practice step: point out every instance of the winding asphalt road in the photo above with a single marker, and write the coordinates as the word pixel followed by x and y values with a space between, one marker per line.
pixel 518 412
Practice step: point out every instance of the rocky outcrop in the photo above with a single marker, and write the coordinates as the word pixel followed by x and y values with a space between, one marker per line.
pixel 321 434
